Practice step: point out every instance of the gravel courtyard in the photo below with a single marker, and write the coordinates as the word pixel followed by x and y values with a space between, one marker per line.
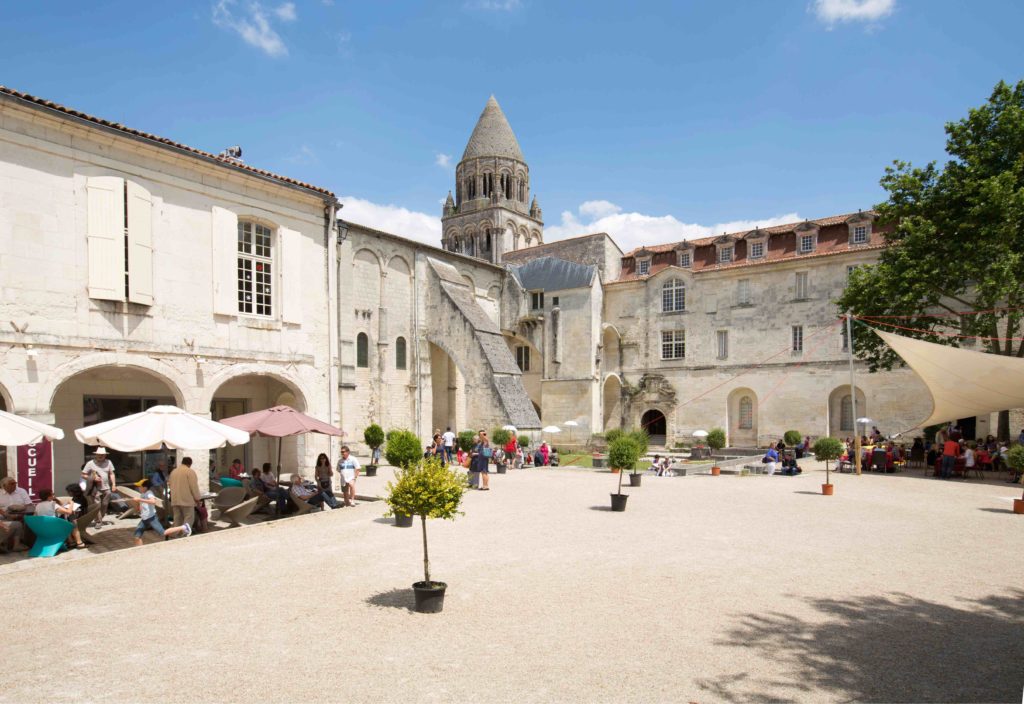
pixel 896 589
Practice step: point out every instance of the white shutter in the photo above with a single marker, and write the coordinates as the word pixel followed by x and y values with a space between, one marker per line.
pixel 105 232
pixel 291 275
pixel 140 245
pixel 225 261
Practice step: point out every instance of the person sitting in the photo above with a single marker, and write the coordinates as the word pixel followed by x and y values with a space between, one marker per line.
pixel 313 497
pixel 553 457
pixel 13 496
pixel 984 459
pixel 159 475
pixel 236 470
pixel 771 458
pixel 263 484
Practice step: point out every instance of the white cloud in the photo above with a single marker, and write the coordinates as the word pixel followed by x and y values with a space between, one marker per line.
pixel 443 160
pixel 394 219
pixel 494 5
pixel 833 12
pixel 252 25
pixel 631 230
pixel 303 155
pixel 286 12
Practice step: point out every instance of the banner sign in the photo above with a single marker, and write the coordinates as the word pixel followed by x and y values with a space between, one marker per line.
pixel 35 467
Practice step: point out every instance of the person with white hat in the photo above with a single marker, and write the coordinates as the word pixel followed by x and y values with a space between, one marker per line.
pixel 101 466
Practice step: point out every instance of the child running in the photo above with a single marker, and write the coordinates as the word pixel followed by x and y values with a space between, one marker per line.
pixel 147 512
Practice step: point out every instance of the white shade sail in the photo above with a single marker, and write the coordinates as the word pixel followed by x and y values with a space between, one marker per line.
pixel 962 383
pixel 158 426
pixel 700 433
pixel 16 430
pixel 570 424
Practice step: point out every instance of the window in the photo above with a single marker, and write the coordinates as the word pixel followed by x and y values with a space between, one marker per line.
pixel 743 292
pixel 850 269
pixel 725 255
pixel 554 301
pixel 723 344
pixel 536 300
pixel 746 413
pixel 362 350
pixel 845 338
pixel 801 285
pixel 806 243
pixel 798 338
pixel 846 414
pixel 523 357
pixel 673 344
pixel 643 267
pixel 684 259
pixel 860 234
pixel 673 296
pixel 756 250
pixel 119 230
pixel 400 353
pixel 255 269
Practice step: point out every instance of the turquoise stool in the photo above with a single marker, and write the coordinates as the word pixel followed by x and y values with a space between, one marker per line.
pixel 228 481
pixel 51 532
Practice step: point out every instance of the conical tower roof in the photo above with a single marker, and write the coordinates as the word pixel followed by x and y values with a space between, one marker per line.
pixel 492 135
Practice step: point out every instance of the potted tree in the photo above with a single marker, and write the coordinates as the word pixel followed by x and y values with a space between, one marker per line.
pixel 623 453
pixel 402 451
pixel 1015 459
pixel 428 489
pixel 373 436
pixel 793 438
pixel 716 441
pixel 499 438
pixel 828 449
pixel 642 441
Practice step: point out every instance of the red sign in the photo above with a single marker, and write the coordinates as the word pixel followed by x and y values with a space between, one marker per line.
pixel 35 467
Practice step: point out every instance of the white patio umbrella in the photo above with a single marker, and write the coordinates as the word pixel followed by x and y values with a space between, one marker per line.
pixel 510 427
pixel 700 433
pixel 570 424
pixel 159 426
pixel 16 430
pixel 551 429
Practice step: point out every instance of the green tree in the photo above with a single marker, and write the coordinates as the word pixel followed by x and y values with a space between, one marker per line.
pixel 791 437
pixel 1015 459
pixel 403 448
pixel 465 440
pixel 956 241
pixel 623 454
pixel 716 439
pixel 828 449
pixel 500 437
pixel 373 436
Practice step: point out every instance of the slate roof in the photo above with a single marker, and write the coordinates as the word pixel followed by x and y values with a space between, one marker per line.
pixel 161 141
pixel 492 135
pixel 553 274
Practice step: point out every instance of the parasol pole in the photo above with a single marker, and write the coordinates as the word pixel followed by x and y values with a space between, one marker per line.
pixel 853 391
pixel 279 460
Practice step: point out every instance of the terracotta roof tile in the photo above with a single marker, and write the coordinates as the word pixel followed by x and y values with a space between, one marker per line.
pixel 157 139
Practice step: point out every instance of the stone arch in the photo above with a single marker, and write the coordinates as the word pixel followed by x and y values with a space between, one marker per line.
pixel 840 410
pixel 399 265
pixel 611 348
pixel 279 374
pixel 535 234
pixel 161 370
pixel 743 408
pixel 469 282
pixel 448 390
pixel 494 292
pixel 611 401
pixel 6 402
pixel 655 422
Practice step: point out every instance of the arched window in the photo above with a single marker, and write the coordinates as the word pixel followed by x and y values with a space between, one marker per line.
pixel 400 353
pixel 362 350
pixel 673 296
pixel 846 414
pixel 746 413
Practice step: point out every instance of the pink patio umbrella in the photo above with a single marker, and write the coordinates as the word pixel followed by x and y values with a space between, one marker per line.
pixel 279 422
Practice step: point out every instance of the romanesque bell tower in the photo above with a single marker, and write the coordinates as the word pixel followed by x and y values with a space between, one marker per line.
pixel 491 212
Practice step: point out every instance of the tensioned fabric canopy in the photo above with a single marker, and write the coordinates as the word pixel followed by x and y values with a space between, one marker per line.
pixel 962 383
pixel 17 430
pixel 158 426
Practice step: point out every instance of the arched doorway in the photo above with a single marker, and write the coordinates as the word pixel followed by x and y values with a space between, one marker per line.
pixel 447 391
pixel 841 418
pixel 653 421
pixel 100 394
pixel 742 406
pixel 612 401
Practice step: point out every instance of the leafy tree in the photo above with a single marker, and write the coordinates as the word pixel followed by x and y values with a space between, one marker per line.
pixel 716 439
pixel 523 441
pixel 373 436
pixel 828 449
pixel 427 489
pixel 1015 459
pixel 465 440
pixel 956 241
pixel 500 437
pixel 642 439
pixel 623 454
pixel 791 437
pixel 403 448
pixel 614 434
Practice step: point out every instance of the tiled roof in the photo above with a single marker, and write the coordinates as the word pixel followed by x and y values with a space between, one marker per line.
pixel 531 252
pixel 492 136
pixel 225 161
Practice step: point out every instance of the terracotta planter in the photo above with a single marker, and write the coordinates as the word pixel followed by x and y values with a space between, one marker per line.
pixel 1018 505
pixel 715 471
pixel 827 489
pixel 614 470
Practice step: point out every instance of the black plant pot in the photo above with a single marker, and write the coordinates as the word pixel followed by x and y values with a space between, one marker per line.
pixel 403 521
pixel 429 596
pixel 371 470
pixel 502 468
pixel 634 479
pixel 619 502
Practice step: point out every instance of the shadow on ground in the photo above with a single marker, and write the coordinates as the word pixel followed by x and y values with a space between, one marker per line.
pixel 996 510
pixel 600 508
pixel 889 648
pixel 402 599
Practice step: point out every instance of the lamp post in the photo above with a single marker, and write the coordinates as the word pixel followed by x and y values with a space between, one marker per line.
pixel 856 441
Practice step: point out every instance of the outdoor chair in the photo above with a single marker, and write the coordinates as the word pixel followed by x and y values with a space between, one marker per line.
pixel 228 497
pixel 133 509
pixel 300 505
pixel 85 520
pixel 238 513
pixel 51 532
pixel 230 482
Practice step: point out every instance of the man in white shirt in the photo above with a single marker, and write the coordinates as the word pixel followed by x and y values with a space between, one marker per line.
pixel 11 531
pixel 348 468
pixel 13 495
pixel 449 445
pixel 103 467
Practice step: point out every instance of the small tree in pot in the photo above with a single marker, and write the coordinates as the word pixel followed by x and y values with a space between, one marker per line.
pixel 1015 460
pixel 828 449
pixel 499 439
pixel 465 440
pixel 623 454
pixel 427 489
pixel 642 441
pixel 373 436
pixel 402 451
pixel 716 441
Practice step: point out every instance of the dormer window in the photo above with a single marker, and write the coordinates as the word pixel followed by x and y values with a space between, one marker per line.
pixel 860 234
pixel 643 267
pixel 756 250
pixel 806 244
pixel 685 260
pixel 725 254
pixel 860 228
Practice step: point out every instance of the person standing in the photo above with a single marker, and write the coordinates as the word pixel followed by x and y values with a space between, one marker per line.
pixel 771 459
pixel 950 451
pixel 184 486
pixel 102 468
pixel 348 468
pixel 323 475
pixel 480 459
pixel 449 445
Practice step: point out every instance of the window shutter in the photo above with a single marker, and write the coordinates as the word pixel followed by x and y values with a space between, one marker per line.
pixel 291 275
pixel 105 233
pixel 225 261
pixel 140 245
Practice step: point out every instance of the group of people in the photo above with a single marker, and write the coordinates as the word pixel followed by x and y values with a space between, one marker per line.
pixel 776 458
pixel 445 447
pixel 318 493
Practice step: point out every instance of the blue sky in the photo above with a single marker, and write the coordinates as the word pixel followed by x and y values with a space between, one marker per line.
pixel 654 121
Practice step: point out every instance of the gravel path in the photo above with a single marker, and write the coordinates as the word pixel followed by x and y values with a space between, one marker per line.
pixel 898 588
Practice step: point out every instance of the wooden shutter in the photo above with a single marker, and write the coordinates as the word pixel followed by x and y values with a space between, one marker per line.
pixel 105 232
pixel 140 245
pixel 225 261
pixel 291 272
